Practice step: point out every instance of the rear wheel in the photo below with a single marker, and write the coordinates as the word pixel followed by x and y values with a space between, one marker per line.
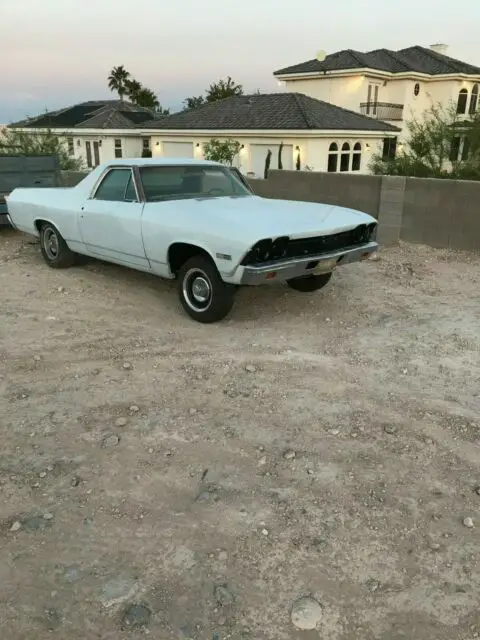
pixel 203 294
pixel 55 250
pixel 307 284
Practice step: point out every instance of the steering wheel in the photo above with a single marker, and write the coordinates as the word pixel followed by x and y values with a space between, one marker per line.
pixel 211 192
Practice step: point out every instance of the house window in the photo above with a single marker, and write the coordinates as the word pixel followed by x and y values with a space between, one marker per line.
pixel 333 157
pixel 462 101
pixel 146 143
pixel 357 157
pixel 474 100
pixel 71 147
pixel 118 148
pixel 455 149
pixel 345 157
pixel 389 148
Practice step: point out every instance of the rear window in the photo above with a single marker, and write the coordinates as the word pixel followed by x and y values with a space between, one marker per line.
pixel 186 182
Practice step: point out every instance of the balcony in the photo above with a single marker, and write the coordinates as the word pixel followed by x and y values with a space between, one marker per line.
pixel 382 110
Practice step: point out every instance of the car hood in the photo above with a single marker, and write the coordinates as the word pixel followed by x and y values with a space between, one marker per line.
pixel 265 218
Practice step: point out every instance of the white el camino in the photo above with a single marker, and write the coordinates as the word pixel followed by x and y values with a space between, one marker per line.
pixel 196 221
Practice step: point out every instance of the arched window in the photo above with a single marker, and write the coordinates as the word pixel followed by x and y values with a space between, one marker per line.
pixel 462 101
pixel 333 157
pixel 345 157
pixel 357 157
pixel 474 100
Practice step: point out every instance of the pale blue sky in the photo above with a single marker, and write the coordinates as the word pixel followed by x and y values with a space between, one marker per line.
pixel 58 52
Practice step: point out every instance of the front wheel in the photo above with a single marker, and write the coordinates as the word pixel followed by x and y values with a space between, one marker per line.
pixel 307 284
pixel 203 294
pixel 55 250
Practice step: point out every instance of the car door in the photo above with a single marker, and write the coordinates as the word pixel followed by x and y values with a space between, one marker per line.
pixel 110 220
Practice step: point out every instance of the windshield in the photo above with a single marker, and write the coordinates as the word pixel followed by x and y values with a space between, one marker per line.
pixel 191 181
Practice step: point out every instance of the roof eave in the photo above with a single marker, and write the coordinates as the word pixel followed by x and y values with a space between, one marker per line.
pixel 416 75
pixel 291 133
pixel 72 132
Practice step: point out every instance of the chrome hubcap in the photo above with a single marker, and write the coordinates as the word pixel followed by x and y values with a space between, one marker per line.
pixel 197 290
pixel 50 243
pixel 200 289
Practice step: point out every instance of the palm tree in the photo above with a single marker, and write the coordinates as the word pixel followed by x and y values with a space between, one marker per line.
pixel 133 88
pixel 118 79
pixel 146 98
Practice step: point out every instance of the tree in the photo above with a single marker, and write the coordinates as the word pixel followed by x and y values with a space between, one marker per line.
pixel 223 151
pixel 440 145
pixel 280 149
pixel 147 98
pixel 223 89
pixel 268 159
pixel 216 91
pixel 118 80
pixel 121 81
pixel 193 103
pixel 133 87
pixel 20 143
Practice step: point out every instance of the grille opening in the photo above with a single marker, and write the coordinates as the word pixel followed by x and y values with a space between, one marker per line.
pixel 267 251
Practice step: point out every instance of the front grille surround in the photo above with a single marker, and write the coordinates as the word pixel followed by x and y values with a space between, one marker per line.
pixel 265 250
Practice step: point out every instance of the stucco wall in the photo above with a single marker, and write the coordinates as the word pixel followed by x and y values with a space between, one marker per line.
pixel 131 145
pixel 313 150
pixel 347 92
pixel 350 91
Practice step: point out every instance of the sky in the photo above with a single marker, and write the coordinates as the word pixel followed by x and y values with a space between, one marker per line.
pixel 55 53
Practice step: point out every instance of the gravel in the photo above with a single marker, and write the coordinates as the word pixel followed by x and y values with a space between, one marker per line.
pixel 379 509
pixel 306 614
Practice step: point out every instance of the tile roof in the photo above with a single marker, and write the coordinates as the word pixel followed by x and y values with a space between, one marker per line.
pixel 413 59
pixel 271 111
pixel 94 114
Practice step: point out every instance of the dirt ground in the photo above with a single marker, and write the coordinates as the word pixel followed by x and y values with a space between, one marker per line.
pixel 166 479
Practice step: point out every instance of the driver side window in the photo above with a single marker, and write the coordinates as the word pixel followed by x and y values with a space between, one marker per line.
pixel 117 186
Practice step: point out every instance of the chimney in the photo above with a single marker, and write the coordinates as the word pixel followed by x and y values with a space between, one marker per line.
pixel 439 48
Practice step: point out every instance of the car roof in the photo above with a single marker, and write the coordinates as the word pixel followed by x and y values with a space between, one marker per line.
pixel 174 162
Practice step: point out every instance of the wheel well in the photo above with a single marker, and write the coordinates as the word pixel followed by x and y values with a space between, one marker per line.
pixel 180 252
pixel 39 224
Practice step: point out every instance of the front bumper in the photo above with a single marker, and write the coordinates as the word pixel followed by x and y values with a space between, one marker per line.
pixel 313 265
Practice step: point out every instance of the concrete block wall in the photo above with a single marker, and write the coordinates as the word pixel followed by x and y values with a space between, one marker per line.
pixel 349 190
pixel 71 178
pixel 439 213
pixel 442 213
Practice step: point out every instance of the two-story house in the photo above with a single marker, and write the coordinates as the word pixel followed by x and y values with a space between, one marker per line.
pixel 392 86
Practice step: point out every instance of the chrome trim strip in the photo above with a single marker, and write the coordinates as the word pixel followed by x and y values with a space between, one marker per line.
pixel 104 174
pixel 123 253
pixel 10 221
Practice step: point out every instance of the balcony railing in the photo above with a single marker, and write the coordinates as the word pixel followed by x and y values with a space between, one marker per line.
pixel 382 110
